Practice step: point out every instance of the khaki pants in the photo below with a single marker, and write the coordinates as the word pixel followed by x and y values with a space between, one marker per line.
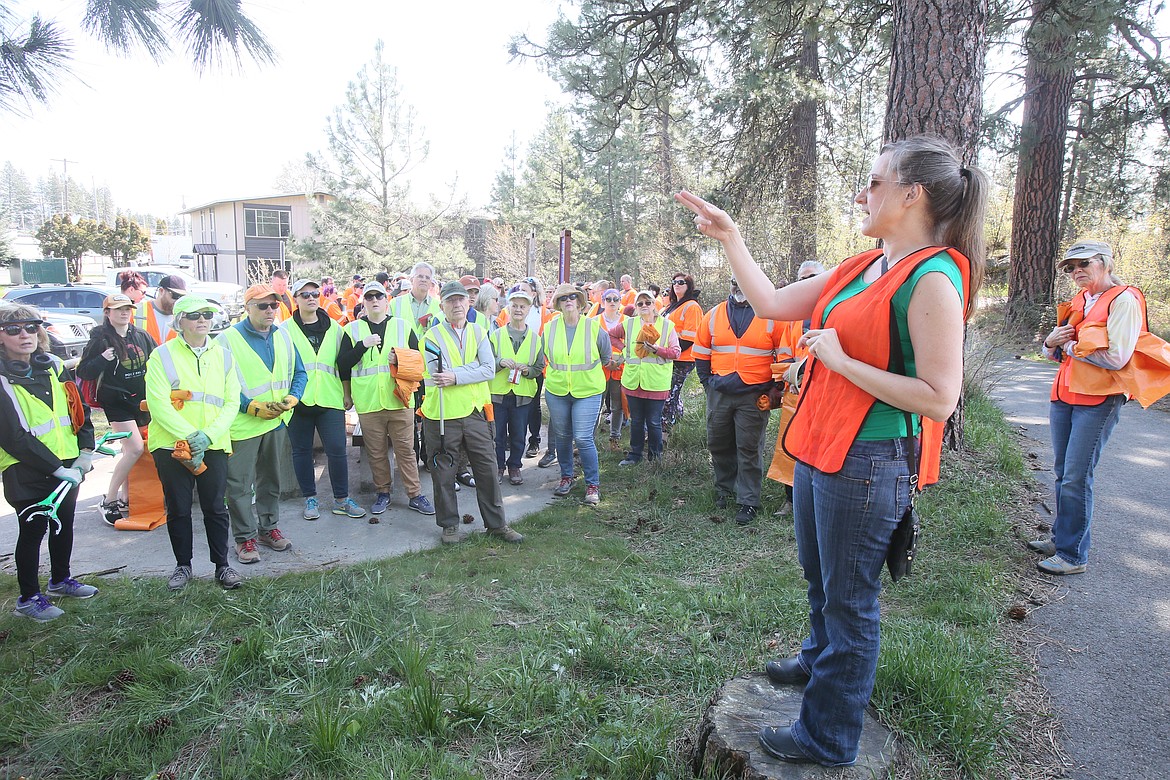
pixel 385 429
pixel 255 464
pixel 474 434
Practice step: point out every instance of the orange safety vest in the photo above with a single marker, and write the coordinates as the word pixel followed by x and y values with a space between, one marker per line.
pixel 628 297
pixel 686 321
pixel 332 308
pixel 1077 318
pixel 150 324
pixel 831 409
pixel 750 356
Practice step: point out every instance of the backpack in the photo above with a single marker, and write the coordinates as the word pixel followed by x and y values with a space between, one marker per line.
pixel 88 389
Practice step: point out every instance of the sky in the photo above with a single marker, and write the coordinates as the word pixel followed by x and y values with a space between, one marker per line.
pixel 164 138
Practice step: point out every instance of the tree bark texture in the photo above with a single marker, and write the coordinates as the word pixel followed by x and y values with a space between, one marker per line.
pixel 1048 81
pixel 801 187
pixel 936 71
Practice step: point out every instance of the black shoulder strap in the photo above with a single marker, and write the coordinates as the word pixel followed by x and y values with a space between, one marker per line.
pixel 898 363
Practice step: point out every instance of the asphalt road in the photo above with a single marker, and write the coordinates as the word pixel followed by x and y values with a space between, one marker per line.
pixel 1105 652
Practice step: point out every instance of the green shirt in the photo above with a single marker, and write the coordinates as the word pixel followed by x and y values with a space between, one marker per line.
pixel 885 421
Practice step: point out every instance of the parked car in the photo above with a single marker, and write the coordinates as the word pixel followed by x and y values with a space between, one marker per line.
pixel 227 295
pixel 79 299
pixel 68 335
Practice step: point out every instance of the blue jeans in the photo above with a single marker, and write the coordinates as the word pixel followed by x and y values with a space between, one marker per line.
pixel 511 425
pixel 574 420
pixel 844 522
pixel 645 426
pixel 1079 434
pixel 330 424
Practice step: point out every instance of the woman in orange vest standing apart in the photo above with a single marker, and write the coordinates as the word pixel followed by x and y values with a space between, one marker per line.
pixel 1081 422
pixel 849 433
pixel 685 313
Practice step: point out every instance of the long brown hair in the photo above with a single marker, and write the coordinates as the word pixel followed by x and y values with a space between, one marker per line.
pixel 956 196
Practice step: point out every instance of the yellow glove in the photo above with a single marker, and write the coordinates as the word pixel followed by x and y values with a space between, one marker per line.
pixel 178 397
pixel 263 410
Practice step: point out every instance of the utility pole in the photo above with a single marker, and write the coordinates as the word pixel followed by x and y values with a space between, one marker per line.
pixel 65 177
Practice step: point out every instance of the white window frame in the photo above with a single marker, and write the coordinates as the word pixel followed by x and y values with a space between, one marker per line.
pixel 283 222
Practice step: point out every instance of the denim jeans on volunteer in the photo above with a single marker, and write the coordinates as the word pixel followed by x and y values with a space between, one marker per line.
pixel 645 426
pixel 575 420
pixel 511 425
pixel 843 526
pixel 1079 433
pixel 330 424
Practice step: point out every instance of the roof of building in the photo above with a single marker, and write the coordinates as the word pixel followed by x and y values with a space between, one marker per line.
pixel 255 199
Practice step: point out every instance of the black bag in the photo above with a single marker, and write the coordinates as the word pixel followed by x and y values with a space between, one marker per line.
pixel 904 542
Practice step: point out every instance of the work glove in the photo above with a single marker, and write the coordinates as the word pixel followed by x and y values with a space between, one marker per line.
pixel 264 410
pixel 183 454
pixel 196 464
pixel 371 341
pixel 72 476
pixel 178 397
pixel 199 442
pixel 84 461
pixel 288 402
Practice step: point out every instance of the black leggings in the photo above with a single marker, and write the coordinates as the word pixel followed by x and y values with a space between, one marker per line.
pixel 28 544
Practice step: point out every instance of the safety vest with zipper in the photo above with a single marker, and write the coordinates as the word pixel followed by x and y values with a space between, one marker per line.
pixel 652 372
pixel 258 382
pixel 323 386
pixel 205 376
pixel 371 382
pixel 49 425
pixel 573 369
pixel 458 401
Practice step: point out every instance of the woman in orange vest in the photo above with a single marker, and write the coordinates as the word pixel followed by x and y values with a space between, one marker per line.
pixel 611 318
pixel 685 313
pixel 849 434
pixel 1081 422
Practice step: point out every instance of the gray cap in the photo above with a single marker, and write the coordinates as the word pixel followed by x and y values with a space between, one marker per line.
pixel 299 283
pixel 1082 249
pixel 518 294
pixel 373 287
pixel 451 289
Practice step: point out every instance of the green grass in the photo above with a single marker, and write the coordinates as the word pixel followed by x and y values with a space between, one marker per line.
pixel 590 651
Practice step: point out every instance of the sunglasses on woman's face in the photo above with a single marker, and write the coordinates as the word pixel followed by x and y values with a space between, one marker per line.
pixel 1068 268
pixel 611 299
pixel 564 298
pixel 645 303
pixel 267 306
pixel 680 282
pixel 195 316
pixel 15 330
pixel 308 296
pixel 374 296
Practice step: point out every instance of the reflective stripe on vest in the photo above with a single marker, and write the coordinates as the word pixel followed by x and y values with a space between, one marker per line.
pixel 458 400
pixel 573 369
pixel 146 319
pixel 172 374
pixel 276 385
pixel 323 385
pixel 46 423
pixel 730 354
pixel 652 372
pixel 502 345
pixel 371 381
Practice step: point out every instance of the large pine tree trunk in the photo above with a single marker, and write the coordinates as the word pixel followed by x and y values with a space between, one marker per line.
pixel 1048 81
pixel 801 185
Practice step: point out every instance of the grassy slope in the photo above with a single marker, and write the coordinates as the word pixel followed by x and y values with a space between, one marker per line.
pixel 589 651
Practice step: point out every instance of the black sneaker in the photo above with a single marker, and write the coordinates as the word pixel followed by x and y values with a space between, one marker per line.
pixel 746 514
pixel 533 450
pixel 111 513
pixel 721 500
pixel 549 458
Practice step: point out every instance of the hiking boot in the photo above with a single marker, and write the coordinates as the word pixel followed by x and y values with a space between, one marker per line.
pixel 38 608
pixel 721 500
pixel 274 539
pixel 507 534
pixel 465 478
pixel 421 504
pixel 746 514
pixel 562 489
pixel 179 578
pixel 227 577
pixel 514 477
pixel 246 551
pixel 533 450
pixel 1043 546
pixel 312 511
pixel 451 535
pixel 592 495
pixel 549 458
pixel 347 507
pixel 1058 565
pixel 71 588
pixel 381 504
pixel 111 513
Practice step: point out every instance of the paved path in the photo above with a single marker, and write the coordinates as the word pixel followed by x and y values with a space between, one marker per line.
pixel 1105 656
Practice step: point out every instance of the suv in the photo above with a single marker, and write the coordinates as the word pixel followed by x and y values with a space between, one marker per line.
pixel 68 335
pixel 229 296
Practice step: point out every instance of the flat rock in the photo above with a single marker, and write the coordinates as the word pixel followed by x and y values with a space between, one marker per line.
pixel 727 746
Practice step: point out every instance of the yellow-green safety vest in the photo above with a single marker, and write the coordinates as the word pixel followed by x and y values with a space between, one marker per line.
pixel 371 384
pixel 458 400
pixel 502 346
pixel 573 369
pixel 401 307
pixel 185 370
pixel 324 385
pixel 51 426
pixel 651 372
pixel 257 382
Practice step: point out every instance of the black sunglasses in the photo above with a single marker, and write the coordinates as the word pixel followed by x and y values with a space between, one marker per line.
pixel 308 296
pixel 374 296
pixel 195 316
pixel 28 327
pixel 1068 267
pixel 267 306
pixel 563 298
pixel 677 282
pixel 612 299
pixel 175 295
pixel 644 303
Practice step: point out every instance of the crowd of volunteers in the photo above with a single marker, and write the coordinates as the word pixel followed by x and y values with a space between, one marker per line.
pixel 864 360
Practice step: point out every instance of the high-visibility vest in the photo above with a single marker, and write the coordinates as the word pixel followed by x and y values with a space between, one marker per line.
pixel 651 372
pixel 257 382
pixel 50 425
pixel 146 318
pixel 371 384
pixel 324 383
pixel 502 346
pixel 205 376
pixel 458 401
pixel 831 409
pixel 628 297
pixel 750 355
pixel 573 369
pixel 331 308
pixel 1078 318
pixel 402 307
pixel 686 321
